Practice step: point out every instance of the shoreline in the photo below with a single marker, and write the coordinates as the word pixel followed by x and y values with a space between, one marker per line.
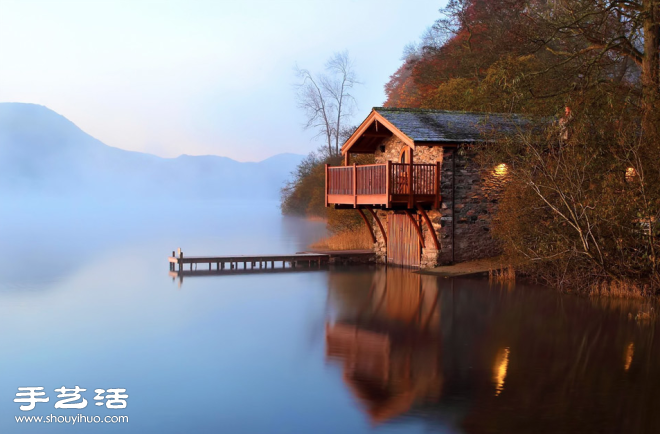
pixel 467 268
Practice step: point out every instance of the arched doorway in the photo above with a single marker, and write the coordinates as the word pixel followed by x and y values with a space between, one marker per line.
pixel 404 156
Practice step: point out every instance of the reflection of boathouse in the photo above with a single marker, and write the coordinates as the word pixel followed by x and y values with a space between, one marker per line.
pixel 410 344
pixel 459 356
pixel 390 349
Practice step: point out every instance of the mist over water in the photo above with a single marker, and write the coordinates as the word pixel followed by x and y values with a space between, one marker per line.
pixel 86 300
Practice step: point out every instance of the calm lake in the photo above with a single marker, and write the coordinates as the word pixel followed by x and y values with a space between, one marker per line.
pixel 86 300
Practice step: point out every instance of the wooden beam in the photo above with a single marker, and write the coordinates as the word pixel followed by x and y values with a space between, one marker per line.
pixel 417 229
pixel 326 185
pixel 368 143
pixel 388 185
pixel 364 217
pixel 354 185
pixel 395 131
pixel 429 225
pixel 380 225
pixel 381 135
pixel 410 180
pixel 375 116
pixel 358 132
pixel 436 189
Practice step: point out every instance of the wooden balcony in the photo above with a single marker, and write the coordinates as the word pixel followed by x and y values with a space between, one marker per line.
pixel 391 185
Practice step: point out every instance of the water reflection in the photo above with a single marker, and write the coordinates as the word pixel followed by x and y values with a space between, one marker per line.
pixel 329 351
pixel 499 372
pixel 301 268
pixel 467 356
pixel 630 351
pixel 390 347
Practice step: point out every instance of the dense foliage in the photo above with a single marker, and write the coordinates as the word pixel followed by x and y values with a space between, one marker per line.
pixel 304 195
pixel 581 202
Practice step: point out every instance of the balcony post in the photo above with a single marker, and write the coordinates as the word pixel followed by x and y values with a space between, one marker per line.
pixel 437 186
pixel 388 184
pixel 326 186
pixel 410 181
pixel 354 185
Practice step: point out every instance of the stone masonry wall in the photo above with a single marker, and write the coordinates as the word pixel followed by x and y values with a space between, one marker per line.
pixel 393 146
pixel 476 195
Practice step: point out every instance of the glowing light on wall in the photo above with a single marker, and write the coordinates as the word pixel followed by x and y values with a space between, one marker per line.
pixel 500 368
pixel 501 169
pixel 630 351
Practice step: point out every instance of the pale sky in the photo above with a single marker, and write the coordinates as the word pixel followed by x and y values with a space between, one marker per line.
pixel 197 77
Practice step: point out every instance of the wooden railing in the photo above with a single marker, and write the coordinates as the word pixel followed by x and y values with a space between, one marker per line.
pixel 371 179
pixel 382 182
pixel 423 178
pixel 340 180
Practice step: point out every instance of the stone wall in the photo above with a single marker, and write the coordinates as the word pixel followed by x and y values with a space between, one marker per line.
pixel 393 146
pixel 476 196
pixel 421 153
pixel 465 230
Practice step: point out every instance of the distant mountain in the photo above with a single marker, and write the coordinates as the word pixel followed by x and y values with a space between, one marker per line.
pixel 42 152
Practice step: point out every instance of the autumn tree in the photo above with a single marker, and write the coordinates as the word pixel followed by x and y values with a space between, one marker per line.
pixel 581 204
pixel 601 39
pixel 469 38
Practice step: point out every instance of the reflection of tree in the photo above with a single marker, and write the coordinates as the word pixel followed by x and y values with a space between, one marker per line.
pixel 390 345
pixel 571 367
pixel 491 359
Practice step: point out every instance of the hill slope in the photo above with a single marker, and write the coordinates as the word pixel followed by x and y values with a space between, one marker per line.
pixel 42 152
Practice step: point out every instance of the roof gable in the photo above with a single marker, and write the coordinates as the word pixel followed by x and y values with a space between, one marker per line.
pixel 430 126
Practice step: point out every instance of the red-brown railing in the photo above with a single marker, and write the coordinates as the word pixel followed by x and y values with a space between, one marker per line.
pixel 340 180
pixel 399 177
pixel 423 178
pixel 373 179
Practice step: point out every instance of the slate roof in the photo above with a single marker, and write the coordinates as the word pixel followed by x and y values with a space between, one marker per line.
pixel 449 126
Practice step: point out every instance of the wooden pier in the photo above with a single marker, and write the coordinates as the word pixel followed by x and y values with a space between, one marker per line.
pixel 179 262
pixel 190 266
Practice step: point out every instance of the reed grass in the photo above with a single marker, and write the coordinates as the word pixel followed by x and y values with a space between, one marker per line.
pixel 504 274
pixel 355 239
pixel 619 289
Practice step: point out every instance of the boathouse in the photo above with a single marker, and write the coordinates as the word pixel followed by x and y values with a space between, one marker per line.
pixel 429 203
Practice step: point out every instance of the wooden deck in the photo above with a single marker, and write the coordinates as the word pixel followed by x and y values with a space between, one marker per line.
pixel 383 185
pixel 191 266
pixel 179 262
